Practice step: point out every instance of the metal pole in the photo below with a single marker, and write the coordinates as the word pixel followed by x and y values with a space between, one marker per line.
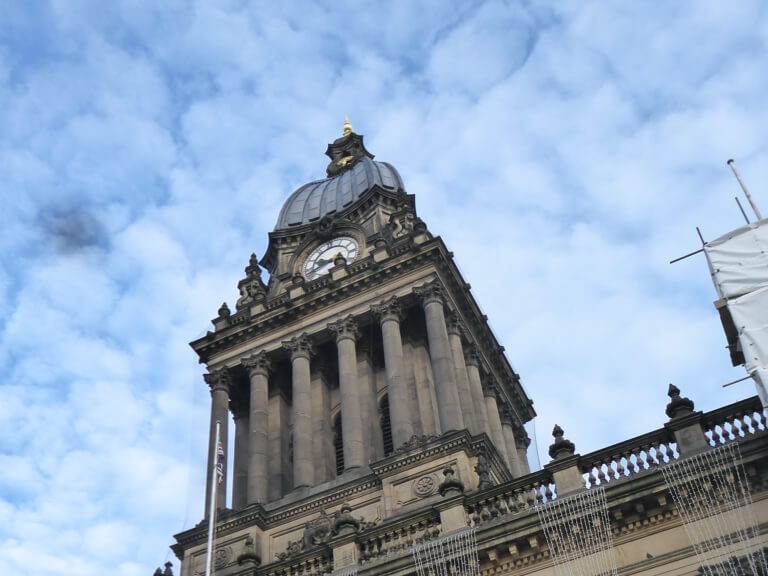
pixel 212 511
pixel 743 187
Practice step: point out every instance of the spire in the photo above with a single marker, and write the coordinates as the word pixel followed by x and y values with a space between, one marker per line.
pixel 347 129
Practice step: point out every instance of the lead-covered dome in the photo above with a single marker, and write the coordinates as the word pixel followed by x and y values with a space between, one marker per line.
pixel 314 200
pixel 351 173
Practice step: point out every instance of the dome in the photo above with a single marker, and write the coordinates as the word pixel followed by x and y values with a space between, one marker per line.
pixel 314 200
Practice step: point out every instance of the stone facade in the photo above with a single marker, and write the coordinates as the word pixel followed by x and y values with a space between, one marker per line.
pixel 374 409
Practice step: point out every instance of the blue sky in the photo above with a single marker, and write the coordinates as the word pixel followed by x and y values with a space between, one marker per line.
pixel 564 151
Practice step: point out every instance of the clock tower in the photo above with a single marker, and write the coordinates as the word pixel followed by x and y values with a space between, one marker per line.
pixel 362 379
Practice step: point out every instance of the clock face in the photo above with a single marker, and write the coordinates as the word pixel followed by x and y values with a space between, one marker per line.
pixel 320 260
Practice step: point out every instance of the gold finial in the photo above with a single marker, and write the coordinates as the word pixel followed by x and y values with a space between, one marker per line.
pixel 347 127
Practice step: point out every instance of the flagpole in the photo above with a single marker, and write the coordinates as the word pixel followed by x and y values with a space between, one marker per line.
pixel 212 511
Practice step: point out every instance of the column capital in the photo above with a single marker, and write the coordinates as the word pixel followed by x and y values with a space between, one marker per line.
pixel 522 440
pixel 218 379
pixel 489 387
pixel 471 356
pixel 299 346
pixel 387 310
pixel 344 328
pixel 258 363
pixel 505 413
pixel 454 324
pixel 430 292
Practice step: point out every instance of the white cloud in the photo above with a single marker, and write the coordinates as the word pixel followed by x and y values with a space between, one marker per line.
pixel 565 153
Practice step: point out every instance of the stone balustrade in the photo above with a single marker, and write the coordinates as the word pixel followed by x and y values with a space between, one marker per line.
pixel 514 497
pixel 734 421
pixel 395 539
pixel 628 458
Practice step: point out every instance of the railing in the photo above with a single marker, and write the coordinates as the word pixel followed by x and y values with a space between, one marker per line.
pixel 394 539
pixel 628 458
pixel 735 421
pixel 514 497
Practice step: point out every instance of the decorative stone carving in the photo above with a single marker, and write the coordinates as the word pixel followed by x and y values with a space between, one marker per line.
pixel 224 311
pixel 218 379
pixel 387 310
pixel 678 406
pixel 489 387
pixel 505 414
pixel 453 323
pixel 451 485
pixel 344 522
pixel 317 531
pixel 299 346
pixel 561 447
pixel 471 356
pixel 258 363
pixel 252 288
pixel 344 328
pixel 249 554
pixel 483 472
pixel 402 224
pixel 424 486
pixel 221 557
pixel 430 292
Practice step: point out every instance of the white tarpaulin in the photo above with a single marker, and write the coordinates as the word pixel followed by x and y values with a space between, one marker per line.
pixel 738 262
pixel 750 316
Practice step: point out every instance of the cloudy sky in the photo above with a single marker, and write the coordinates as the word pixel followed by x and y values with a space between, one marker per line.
pixel 564 152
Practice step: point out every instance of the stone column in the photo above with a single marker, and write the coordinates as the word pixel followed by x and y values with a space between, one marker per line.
pixel 425 388
pixel 462 378
pixel 301 349
pixel 522 443
pixel 258 366
pixel 277 421
pixel 507 428
pixel 442 359
pixel 369 404
pixel 322 435
pixel 240 465
pixel 351 418
pixel 472 362
pixel 399 411
pixel 494 420
pixel 409 361
pixel 219 381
